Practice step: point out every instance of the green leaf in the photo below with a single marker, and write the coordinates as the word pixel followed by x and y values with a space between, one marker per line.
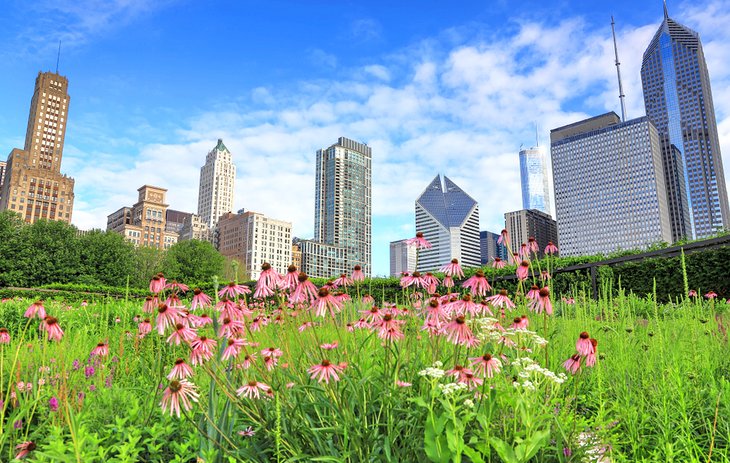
pixel 504 450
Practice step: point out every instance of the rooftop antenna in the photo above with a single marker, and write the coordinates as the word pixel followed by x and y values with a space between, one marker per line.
pixel 537 138
pixel 58 57
pixel 666 13
pixel 618 70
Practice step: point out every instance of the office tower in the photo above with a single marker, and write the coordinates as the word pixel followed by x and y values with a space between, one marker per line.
pixel 534 178
pixel 489 248
pixel 343 201
pixel 449 220
pixel 255 239
pixel 320 260
pixel 609 185
pixel 217 180
pixel 34 186
pixel 194 228
pixel 145 223
pixel 678 102
pixel 3 165
pixel 175 220
pixel 530 223
pixel 402 258
pixel 296 254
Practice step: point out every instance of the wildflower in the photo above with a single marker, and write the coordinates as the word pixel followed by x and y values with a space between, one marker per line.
pixel 532 244
pixel 501 299
pixel 711 295
pixel 305 290
pixel 453 269
pixel 166 316
pixel 325 371
pixel 471 380
pixel 448 282
pixel 175 286
pixel 458 372
pixel 545 276
pixel 24 449
pixel 4 336
pixel 523 270
pixel 34 309
pixel 230 327
pixel 498 263
pixel 419 242
pixel 325 301
pixel 431 281
pixel 150 304
pixel 291 279
pixel 89 371
pixel 181 370
pixel 503 237
pixel 53 404
pixel 464 305
pixel 269 278
pixel 144 327
pixel 157 283
pixel 572 364
pixel 519 323
pixel 524 251
pixel 202 350
pixel 343 280
pixel 486 365
pixel 389 328
pixel 478 284
pixel 357 274
pixel 270 362
pixel 200 299
pixel 543 302
pixel 50 324
pixel 248 360
pixel 101 350
pixel 232 289
pixel 329 346
pixel 551 248
pixel 415 280
pixel 273 352
pixel 458 332
pixel 248 432
pixel 179 392
pixel 402 384
pixel 692 293
pixel 233 348
pixel 368 299
pixel 252 389
pixel 584 345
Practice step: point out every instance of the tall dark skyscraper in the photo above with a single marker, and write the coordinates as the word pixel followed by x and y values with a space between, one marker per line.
pixel 678 102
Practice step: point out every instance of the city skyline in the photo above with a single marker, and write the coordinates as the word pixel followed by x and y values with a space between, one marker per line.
pixel 447 96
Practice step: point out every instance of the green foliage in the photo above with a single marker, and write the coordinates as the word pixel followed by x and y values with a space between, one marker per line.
pixel 192 260
pixel 105 257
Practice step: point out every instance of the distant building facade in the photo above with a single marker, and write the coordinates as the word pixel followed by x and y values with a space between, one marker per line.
pixel 145 223
pixel 33 185
pixel 449 220
pixel 526 223
pixel 3 165
pixel 195 228
pixel 490 248
pixel 534 180
pixel 296 254
pixel 322 260
pixel 678 101
pixel 610 191
pixel 343 203
pixel 217 183
pixel 402 258
pixel 254 239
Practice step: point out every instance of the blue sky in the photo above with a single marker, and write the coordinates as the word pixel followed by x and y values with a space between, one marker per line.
pixel 432 86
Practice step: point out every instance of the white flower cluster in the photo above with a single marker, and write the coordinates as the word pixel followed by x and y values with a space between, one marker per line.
pixel 531 369
pixel 450 388
pixel 468 403
pixel 434 371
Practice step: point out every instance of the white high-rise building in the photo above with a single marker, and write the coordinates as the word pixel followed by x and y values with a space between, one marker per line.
pixel 534 178
pixel 217 180
pixel 402 258
pixel 449 220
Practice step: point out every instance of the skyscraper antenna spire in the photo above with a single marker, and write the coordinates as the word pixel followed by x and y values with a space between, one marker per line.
pixel 618 71
pixel 666 13
pixel 537 137
pixel 58 57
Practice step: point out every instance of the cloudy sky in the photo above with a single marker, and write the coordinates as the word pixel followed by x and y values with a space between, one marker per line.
pixel 432 86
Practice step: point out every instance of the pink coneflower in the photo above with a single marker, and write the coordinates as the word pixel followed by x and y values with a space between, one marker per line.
pixel 200 299
pixel 166 316
pixel 182 334
pixel 471 380
pixel 403 384
pixel 711 295
pixel 157 283
pixel 4 336
pixel 24 449
pixel 358 274
pixel 478 284
pixel 591 358
pixel 551 248
pixel 150 304
pixel 181 370
pixel 34 309
pixel 519 323
pixel 692 293
pixel 325 371
pixel 368 299
pixel 435 312
pixel 175 286
pixel 291 279
pixel 174 301
pixel 542 303
pixel 568 300
pixel 248 360
pixel 415 280
pixel 270 362
pixel 343 280
pixel 500 300
pixel 101 350
pixel 498 263
pixel 329 346
pixel 144 327
pixel 486 365
pixel 523 270
pixel 389 328
pixel 583 345
pixel 253 390
pixel 305 290
pixel 464 305
pixel 458 372
pixel 420 242
pixel 431 280
pixel 448 282
pixel 374 314
pixel 248 432
pixel 202 350
pixel 177 393
pixel 50 324
pixel 453 269
pixel 233 348
pixel 572 364
pixel 503 237
pixel 230 327
pixel 269 277
pixel 544 275
pixel 458 332
pixel 532 244
pixel 232 289
pixel 524 251
pixel 324 302
pixel 200 320
pixel 273 352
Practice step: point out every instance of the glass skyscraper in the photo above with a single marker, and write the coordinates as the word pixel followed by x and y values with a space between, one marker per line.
pixel 534 177
pixel 449 220
pixel 343 201
pixel 678 102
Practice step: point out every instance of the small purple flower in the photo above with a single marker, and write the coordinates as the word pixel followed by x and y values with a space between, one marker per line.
pixel 81 395
pixel 92 388
pixel 567 452
pixel 53 404
pixel 76 364
pixel 18 424
pixel 89 372
pixel 108 381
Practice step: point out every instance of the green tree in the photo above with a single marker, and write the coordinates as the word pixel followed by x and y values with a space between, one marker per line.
pixel 11 225
pixel 192 261
pixel 49 253
pixel 106 258
pixel 147 263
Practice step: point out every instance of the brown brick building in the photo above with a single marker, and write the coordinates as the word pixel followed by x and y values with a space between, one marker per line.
pixel 145 223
